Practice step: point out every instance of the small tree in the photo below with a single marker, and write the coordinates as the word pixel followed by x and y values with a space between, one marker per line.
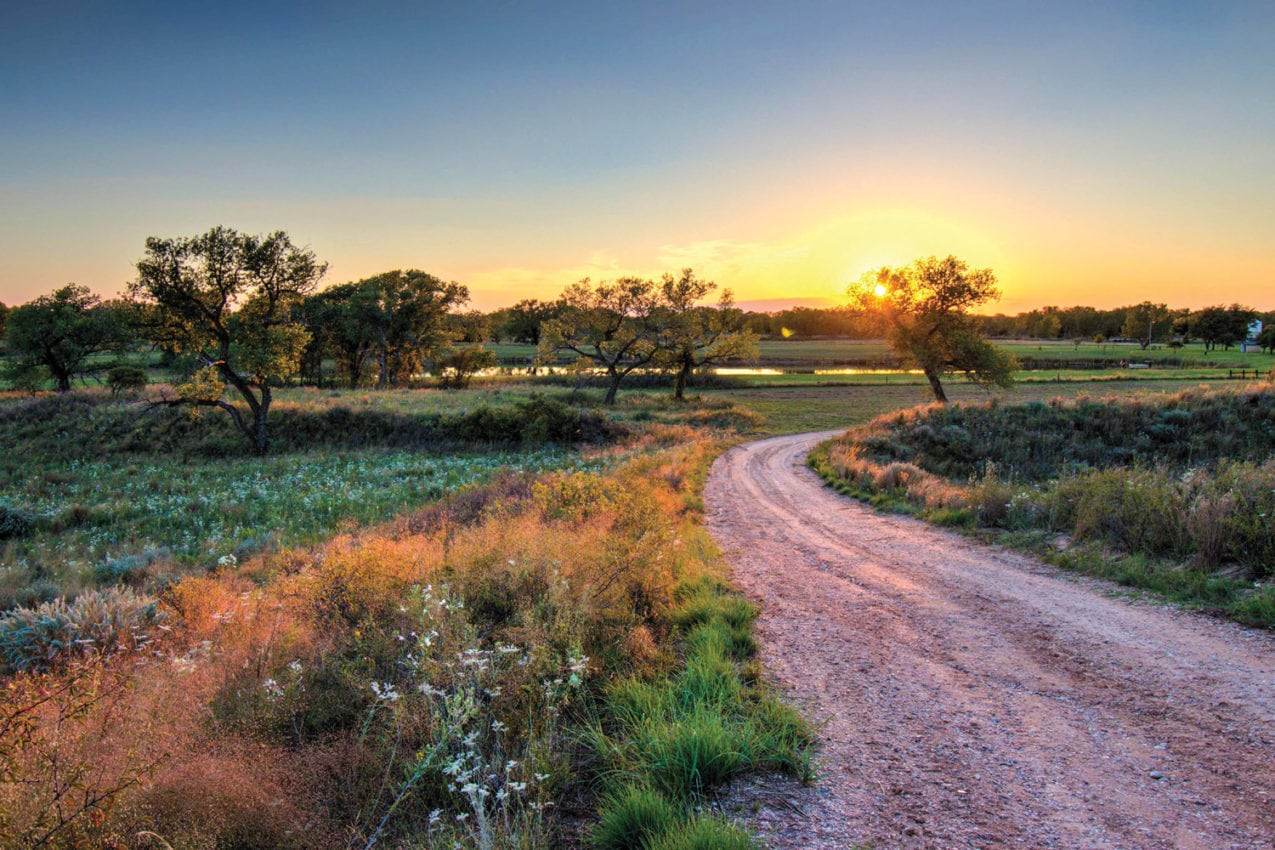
pixel 227 298
pixel 613 324
pixel 458 367
pixel 522 322
pixel 925 307
pixel 693 335
pixel 1266 339
pixel 1147 323
pixel 60 333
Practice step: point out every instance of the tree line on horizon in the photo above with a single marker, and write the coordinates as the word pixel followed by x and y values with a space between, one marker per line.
pixel 238 315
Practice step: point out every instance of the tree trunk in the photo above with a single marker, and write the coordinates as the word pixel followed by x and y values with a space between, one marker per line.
pixel 260 437
pixel 936 387
pixel 679 383
pixel 612 388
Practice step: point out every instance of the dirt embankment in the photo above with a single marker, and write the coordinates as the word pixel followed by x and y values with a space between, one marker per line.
pixel 972 697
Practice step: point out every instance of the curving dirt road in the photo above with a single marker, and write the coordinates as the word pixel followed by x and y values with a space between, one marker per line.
pixel 976 698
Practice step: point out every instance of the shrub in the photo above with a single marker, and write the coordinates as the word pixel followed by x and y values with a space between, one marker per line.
pixel 125 379
pixel 129 569
pixel 97 621
pixel 15 521
pixel 458 368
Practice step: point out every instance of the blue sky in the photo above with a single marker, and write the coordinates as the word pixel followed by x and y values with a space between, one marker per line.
pixel 1087 152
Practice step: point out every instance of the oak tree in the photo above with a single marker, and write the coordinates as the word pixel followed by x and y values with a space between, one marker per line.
pixel 694 335
pixel 228 299
pixel 925 308
pixel 613 324
pixel 61 333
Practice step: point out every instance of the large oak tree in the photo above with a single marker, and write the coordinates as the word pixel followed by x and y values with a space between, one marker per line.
pixel 925 307
pixel 228 299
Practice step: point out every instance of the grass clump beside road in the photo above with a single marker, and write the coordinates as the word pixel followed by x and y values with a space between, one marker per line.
pixel 1174 494
pixel 664 745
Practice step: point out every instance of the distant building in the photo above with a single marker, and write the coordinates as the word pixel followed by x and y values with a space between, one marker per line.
pixel 1250 341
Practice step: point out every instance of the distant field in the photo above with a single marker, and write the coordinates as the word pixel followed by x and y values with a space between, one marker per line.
pixel 816 353
pixel 790 410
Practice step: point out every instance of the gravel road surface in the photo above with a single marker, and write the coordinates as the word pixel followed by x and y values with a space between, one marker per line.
pixel 970 697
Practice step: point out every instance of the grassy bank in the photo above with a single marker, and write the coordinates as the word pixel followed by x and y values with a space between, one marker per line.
pixel 1170 493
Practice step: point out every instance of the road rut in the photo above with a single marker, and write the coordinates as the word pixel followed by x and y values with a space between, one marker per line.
pixel 973 697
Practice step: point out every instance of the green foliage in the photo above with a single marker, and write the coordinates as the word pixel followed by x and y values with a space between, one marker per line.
pixel 127 569
pixel 614 325
pixel 227 299
pixel 457 369
pixel 1180 488
pixel 705 833
pixel 125 379
pixel 98 621
pixel 706 725
pixel 389 324
pixel 926 308
pixel 59 334
pixel 694 336
pixel 1038 440
pixel 631 818
pixel 15 521
pixel 1147 323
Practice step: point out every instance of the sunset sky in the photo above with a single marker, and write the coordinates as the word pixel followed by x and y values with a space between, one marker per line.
pixel 1090 153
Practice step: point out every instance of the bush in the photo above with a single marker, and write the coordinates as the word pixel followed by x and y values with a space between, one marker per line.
pixel 129 569
pixel 125 379
pixel 15 521
pixel 97 621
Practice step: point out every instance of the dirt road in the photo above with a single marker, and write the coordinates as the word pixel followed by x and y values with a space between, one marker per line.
pixel 973 697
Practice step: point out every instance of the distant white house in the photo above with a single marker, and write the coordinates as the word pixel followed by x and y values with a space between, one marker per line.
pixel 1250 341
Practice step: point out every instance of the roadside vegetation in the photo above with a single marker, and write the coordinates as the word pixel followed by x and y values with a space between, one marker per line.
pixel 1171 493
pixel 448 642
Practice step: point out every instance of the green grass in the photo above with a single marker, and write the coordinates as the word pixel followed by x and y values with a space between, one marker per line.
pixel 664 745
pixel 792 410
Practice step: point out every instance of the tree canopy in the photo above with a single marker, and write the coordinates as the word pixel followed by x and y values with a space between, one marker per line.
pixel 926 310
pixel 613 324
pixel 694 335
pixel 393 322
pixel 228 299
pixel 61 332
pixel 1224 326
pixel 1147 322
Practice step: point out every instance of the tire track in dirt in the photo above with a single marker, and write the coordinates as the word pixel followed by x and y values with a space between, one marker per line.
pixel 974 697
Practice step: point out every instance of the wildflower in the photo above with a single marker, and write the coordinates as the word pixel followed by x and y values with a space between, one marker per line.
pixel 498 727
pixel 272 689
pixel 385 691
pixel 295 666
pixel 435 816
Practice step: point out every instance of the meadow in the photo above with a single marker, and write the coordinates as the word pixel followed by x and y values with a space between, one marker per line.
pixel 443 644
